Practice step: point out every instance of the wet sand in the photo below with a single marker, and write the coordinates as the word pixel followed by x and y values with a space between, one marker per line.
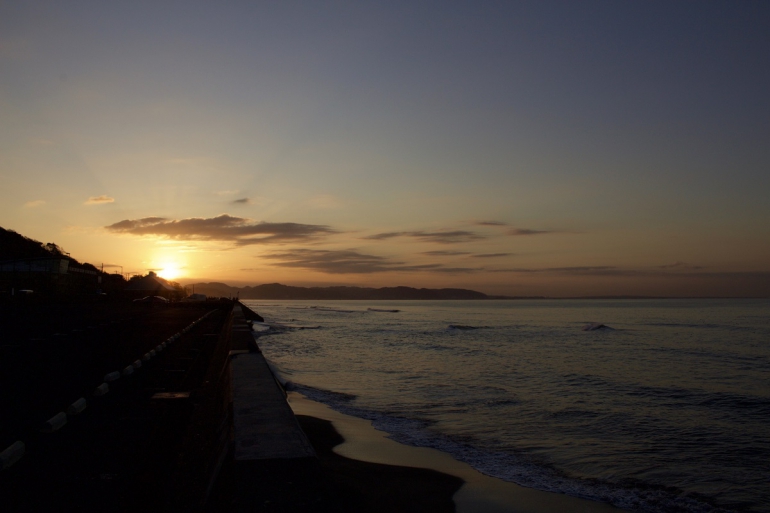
pixel 361 486
pixel 357 441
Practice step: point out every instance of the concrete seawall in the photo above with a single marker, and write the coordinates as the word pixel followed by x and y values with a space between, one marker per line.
pixel 264 426
pixel 244 447
pixel 271 460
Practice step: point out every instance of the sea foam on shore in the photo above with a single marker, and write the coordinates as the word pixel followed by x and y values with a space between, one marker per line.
pixel 479 494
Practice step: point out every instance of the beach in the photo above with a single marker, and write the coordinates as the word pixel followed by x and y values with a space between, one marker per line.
pixel 404 478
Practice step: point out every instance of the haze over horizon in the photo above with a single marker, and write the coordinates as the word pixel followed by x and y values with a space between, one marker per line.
pixel 546 148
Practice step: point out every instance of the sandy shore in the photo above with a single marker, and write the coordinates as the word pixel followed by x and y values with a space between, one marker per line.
pixel 469 490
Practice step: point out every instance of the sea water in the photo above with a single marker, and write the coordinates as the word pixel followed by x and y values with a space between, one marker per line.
pixel 666 409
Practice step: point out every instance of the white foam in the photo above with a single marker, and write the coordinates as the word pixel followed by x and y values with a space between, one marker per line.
pixel 507 466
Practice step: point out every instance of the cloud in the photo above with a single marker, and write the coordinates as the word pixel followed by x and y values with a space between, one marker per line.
pixel 441 237
pixel 681 265
pixel 34 203
pixel 670 271
pixel 456 270
pixel 445 253
pixel 491 255
pixel 340 262
pixel 224 227
pixel 598 270
pixel 490 223
pixel 99 200
pixel 387 235
pixel 602 270
pixel 447 237
pixel 526 231
pixel 242 201
pixel 740 283
pixel 351 262
pixel 583 269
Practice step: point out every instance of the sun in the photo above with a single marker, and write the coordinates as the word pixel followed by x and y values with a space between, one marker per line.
pixel 170 271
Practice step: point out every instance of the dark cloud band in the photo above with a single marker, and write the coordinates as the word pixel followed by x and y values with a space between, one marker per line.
pixel 527 231
pixel 351 262
pixel 441 252
pixel 225 227
pixel 442 237
pixel 491 255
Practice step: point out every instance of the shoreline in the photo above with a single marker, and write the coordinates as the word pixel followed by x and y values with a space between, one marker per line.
pixel 477 494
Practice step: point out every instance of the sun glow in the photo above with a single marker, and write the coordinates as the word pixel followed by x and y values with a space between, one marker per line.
pixel 170 271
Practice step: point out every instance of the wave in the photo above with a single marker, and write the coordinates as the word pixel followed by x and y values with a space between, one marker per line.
pixel 327 397
pixel 465 327
pixel 727 403
pixel 706 326
pixel 597 326
pixel 748 362
pixel 382 310
pixel 323 309
pixel 271 328
pixel 516 468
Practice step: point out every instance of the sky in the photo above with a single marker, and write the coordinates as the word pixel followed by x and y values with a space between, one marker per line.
pixel 531 148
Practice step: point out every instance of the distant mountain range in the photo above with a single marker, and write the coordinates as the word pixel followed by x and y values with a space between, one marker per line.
pixel 278 291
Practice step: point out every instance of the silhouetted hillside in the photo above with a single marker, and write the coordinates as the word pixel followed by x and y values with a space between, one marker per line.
pixel 278 291
pixel 14 246
pixel 46 269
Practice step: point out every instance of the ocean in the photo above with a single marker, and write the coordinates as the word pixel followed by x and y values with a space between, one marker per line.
pixel 665 409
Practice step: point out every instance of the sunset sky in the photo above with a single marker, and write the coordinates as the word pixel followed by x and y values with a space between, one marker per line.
pixel 524 148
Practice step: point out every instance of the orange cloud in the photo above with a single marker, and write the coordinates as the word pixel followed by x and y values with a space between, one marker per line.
pixel 99 200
